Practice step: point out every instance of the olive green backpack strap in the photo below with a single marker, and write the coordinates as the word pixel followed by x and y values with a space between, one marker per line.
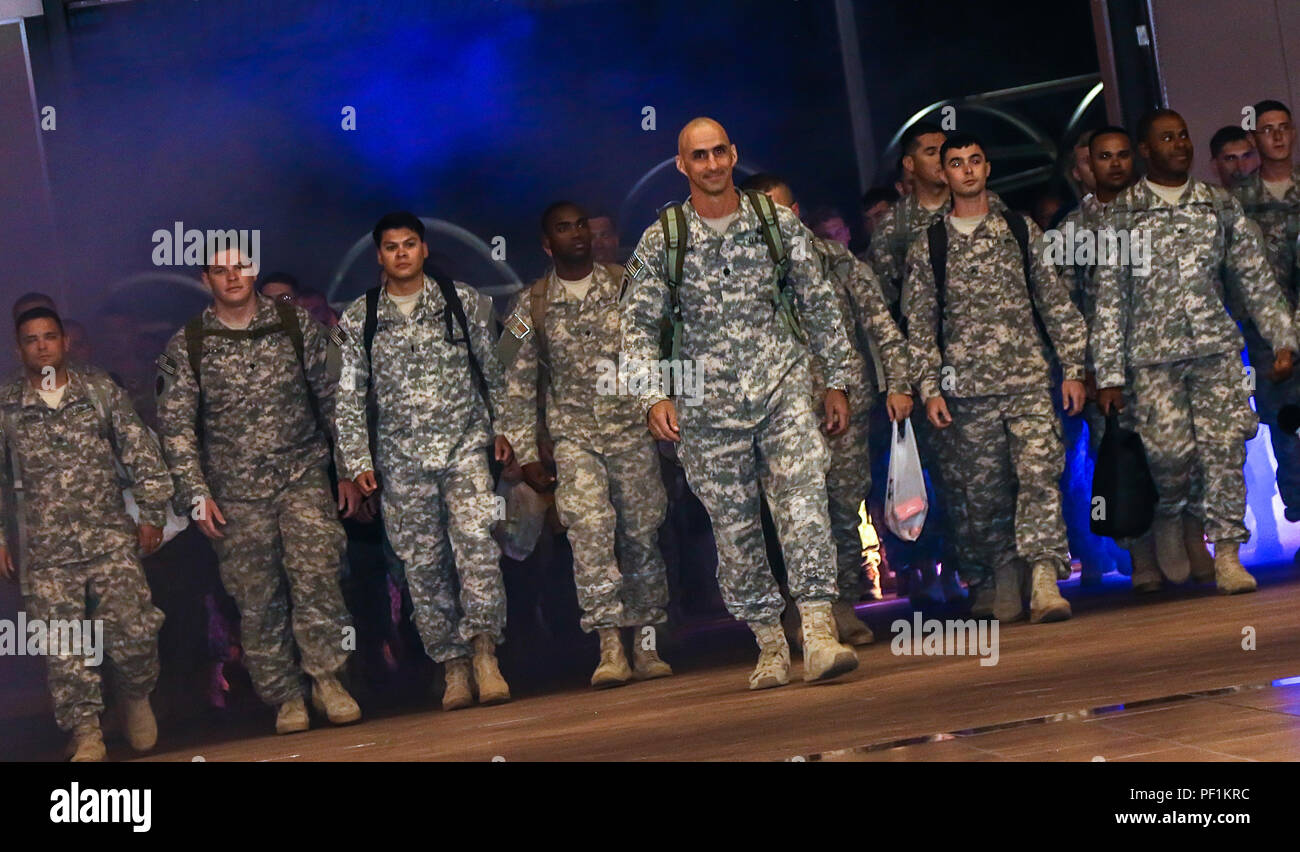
pixel 672 219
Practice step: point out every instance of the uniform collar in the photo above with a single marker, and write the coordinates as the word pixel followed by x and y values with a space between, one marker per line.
pixel 557 293
pixel 425 300
pixel 264 315
pixel 698 228
pixel 74 390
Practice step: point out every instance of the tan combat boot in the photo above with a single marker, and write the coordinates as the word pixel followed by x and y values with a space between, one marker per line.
pixel 1045 601
pixel 773 667
pixel 1202 563
pixel 458 690
pixel 790 624
pixel 141 726
pixel 823 655
pixel 646 662
pixel 330 699
pixel 851 629
pixel 492 688
pixel 1146 573
pixel 1229 575
pixel 613 669
pixel 1171 549
pixel 1008 602
pixel 292 716
pixel 88 744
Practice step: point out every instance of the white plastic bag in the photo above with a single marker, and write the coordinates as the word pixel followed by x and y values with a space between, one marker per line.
pixel 905 501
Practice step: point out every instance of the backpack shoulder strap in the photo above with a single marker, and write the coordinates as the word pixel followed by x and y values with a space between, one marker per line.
pixel 672 219
pixel 457 310
pixel 936 237
pixel 538 302
pixel 771 228
pixel 292 327
pixel 1019 230
pixel 194 345
pixel 372 319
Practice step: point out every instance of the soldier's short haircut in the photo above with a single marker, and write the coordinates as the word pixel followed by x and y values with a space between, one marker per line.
pixel 877 194
pixel 960 140
pixel 28 300
pixel 912 138
pixel 1149 118
pixel 41 312
pixel 1108 130
pixel 1224 135
pixel 555 207
pixel 763 182
pixel 823 213
pixel 281 278
pixel 1269 105
pixel 400 220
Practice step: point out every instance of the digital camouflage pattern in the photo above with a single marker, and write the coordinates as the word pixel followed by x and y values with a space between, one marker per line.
pixel 1004 453
pixel 1279 222
pixel 1080 279
pixel 81 558
pixel 881 361
pixel 608 492
pixel 1177 312
pixel 906 220
pixel 433 435
pixel 263 457
pixel 1171 332
pixel 258 429
pixel 110 587
pixel 72 491
pixel 1194 418
pixel 991 342
pixel 756 422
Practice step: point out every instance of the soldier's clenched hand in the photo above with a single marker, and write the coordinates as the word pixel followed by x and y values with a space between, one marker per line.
pixel 150 538
pixel 837 412
pixel 6 563
pixel 502 451
pixel 1282 365
pixel 662 419
pixel 350 498
pixel 899 406
pixel 366 482
pixel 1073 394
pixel 1110 400
pixel 538 477
pixel 936 411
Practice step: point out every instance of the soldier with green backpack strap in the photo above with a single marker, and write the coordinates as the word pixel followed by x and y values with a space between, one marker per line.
pixel 747 298
pixel 245 402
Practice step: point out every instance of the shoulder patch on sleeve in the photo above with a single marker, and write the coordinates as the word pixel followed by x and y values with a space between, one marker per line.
pixel 337 336
pixel 167 364
pixel 636 267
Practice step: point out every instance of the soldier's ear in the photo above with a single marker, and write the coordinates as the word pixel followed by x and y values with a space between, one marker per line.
pixel 546 245
pixel 681 164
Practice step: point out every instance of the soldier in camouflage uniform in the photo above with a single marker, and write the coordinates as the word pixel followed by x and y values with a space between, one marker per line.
pixel 609 492
pixel 907 218
pixel 979 360
pixel 1271 198
pixel 876 343
pixel 432 433
pixel 1169 330
pixel 65 428
pixel 738 325
pixel 244 415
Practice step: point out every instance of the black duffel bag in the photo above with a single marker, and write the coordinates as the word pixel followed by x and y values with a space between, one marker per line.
pixel 1123 492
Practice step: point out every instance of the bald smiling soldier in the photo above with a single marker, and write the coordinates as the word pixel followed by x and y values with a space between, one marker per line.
pixel 735 275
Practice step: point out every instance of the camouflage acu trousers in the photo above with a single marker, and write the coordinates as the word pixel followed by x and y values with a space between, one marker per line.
pixel 723 466
pixel 1194 417
pixel 111 588
pixel 848 482
pixel 1004 453
pixel 613 504
pixel 281 560
pixel 1269 399
pixel 427 512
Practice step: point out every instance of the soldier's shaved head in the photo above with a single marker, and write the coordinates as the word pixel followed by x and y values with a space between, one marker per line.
pixel 706 156
pixel 693 129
